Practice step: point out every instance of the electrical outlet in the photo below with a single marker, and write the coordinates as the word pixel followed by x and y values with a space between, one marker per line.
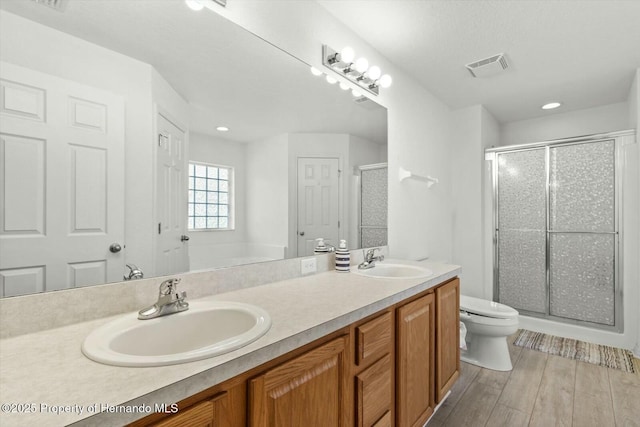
pixel 308 266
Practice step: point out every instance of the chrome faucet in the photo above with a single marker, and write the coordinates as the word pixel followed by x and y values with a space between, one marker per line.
pixel 370 259
pixel 134 273
pixel 169 301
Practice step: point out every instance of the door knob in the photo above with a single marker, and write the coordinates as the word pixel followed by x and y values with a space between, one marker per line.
pixel 301 233
pixel 184 238
pixel 115 248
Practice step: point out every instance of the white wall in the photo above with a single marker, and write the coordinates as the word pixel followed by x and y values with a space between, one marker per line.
pixel 633 102
pixel 364 152
pixel 473 130
pixel 589 121
pixel 267 184
pixel 420 218
pixel 466 187
pixel 68 57
pixel 418 123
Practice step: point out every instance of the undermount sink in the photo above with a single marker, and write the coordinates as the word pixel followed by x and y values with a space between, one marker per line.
pixel 385 270
pixel 207 329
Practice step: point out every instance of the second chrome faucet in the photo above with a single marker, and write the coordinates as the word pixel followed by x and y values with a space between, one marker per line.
pixel 370 259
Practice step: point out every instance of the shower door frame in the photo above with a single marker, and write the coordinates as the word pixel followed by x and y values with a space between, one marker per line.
pixel 619 138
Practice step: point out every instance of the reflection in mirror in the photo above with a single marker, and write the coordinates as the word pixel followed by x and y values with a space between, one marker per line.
pixel 146 134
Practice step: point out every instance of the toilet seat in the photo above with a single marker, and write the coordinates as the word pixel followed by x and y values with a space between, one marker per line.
pixel 486 308
pixel 479 319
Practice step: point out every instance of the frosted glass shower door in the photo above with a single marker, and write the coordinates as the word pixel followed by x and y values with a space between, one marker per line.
pixel 556 239
pixel 582 232
pixel 373 205
pixel 521 229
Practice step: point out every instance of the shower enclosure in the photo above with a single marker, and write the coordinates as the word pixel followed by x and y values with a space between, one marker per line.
pixel 557 229
pixel 372 222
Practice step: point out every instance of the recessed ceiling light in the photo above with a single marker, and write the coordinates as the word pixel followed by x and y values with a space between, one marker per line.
pixel 222 129
pixel 551 105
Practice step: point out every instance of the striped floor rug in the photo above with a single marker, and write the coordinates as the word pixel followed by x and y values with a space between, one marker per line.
pixel 596 354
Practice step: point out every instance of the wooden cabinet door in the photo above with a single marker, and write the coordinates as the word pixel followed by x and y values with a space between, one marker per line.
pixel 373 393
pixel 199 415
pixel 447 337
pixel 309 390
pixel 415 362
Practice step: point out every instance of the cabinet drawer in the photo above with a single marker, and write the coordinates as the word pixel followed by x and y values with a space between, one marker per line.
pixel 373 339
pixel 374 393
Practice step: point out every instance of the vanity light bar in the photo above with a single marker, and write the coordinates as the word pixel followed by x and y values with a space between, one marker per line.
pixel 358 72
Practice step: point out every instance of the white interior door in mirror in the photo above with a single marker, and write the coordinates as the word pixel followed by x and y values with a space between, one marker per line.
pixel 318 199
pixel 172 254
pixel 61 143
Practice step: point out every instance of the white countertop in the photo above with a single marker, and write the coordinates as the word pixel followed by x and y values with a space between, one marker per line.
pixel 47 381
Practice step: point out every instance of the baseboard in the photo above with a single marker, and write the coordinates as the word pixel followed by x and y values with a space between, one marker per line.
pixel 446 396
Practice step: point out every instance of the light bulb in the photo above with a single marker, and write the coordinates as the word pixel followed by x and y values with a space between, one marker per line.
pixel 374 72
pixel 344 86
pixel 315 71
pixel 361 65
pixel 331 80
pixel 385 81
pixel 194 4
pixel 356 94
pixel 347 54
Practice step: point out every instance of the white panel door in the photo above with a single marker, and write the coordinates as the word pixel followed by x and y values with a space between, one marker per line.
pixel 62 183
pixel 318 199
pixel 172 254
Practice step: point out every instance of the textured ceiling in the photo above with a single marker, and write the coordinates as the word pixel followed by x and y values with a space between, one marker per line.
pixel 582 52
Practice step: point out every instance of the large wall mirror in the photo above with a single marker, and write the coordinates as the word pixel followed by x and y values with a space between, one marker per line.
pixel 114 150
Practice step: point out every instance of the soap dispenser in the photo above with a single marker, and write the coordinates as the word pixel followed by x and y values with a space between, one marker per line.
pixel 343 257
pixel 321 248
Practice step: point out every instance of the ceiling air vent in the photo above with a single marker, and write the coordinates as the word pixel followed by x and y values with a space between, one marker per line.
pixel 58 5
pixel 488 66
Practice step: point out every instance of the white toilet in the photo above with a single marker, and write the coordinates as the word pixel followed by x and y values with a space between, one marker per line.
pixel 488 324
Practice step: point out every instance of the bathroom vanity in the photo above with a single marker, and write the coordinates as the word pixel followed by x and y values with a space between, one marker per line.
pixel 370 351
pixel 396 364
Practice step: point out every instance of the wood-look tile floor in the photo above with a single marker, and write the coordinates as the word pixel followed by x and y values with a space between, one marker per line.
pixel 541 390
